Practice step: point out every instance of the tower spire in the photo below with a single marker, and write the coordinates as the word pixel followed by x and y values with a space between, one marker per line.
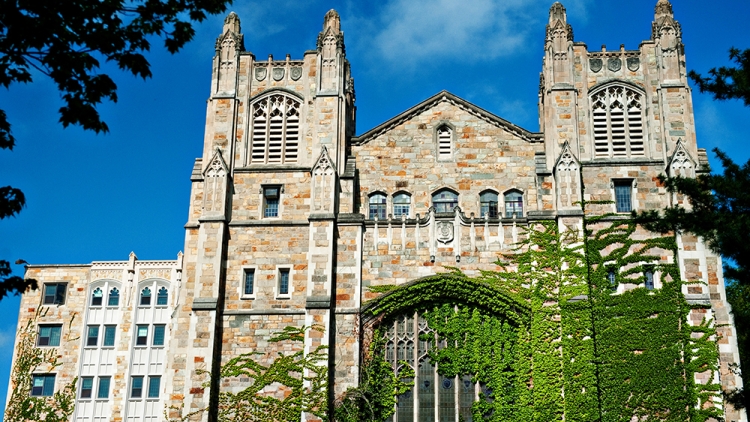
pixel 663 8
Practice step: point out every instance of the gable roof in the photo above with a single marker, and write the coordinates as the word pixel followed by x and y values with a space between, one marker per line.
pixel 458 102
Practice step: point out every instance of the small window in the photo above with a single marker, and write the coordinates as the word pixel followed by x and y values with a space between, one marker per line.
pixel 623 195
pixel 284 281
pixel 612 278
pixel 136 387
pixel 92 338
pixel 103 392
pixel 49 335
pixel 249 282
pixel 114 297
pixel 54 293
pixel 162 297
pixel 401 204
pixel 488 205
pixel 153 387
pixel 513 204
pixel 96 297
pixel 649 279
pixel 43 385
pixel 141 338
pixel 377 206
pixel 271 201
pixel 109 335
pixel 146 297
pixel 87 387
pixel 444 200
pixel 445 143
pixel 159 335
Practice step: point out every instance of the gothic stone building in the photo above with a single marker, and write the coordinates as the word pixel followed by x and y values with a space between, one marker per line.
pixel 293 218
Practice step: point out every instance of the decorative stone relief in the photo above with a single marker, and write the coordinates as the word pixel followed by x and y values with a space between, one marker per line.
pixel 324 183
pixel 444 231
pixel 106 274
pixel 154 273
pixel 595 65
pixel 277 73
pixel 295 73
pixel 614 64
pixel 260 73
pixel 633 63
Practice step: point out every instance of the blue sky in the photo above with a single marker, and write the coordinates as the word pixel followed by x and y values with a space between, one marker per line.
pixel 98 197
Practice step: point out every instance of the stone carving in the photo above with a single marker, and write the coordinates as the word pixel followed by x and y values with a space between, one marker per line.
pixel 260 73
pixel 633 63
pixel 614 64
pixel 295 73
pixel 595 65
pixel 277 73
pixel 106 274
pixel 445 231
pixel 681 163
pixel 163 273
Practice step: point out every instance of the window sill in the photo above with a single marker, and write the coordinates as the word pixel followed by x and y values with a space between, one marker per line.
pixel 283 297
pixel 247 297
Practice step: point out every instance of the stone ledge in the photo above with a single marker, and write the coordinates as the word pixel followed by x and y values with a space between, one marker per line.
pixel 606 162
pixel 212 219
pixel 318 302
pixel 205 303
pixel 322 217
pixel 353 218
pixel 264 312
pixel 270 168
pixel 267 223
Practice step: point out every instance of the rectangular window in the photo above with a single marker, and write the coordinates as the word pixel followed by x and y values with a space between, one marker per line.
pixel 54 293
pixel 87 386
pixel 136 387
pixel 650 279
pixel 49 335
pixel 159 335
pixel 623 195
pixel 103 392
pixel 92 338
pixel 271 201
pixel 141 337
pixel 153 387
pixel 249 282
pixel 109 335
pixel 284 281
pixel 43 385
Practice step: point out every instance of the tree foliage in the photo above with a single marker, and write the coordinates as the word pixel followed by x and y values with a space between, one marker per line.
pixel 68 41
pixel 728 83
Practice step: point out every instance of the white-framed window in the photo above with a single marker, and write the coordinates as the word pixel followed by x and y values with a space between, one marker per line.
pixel 271 200
pixel 248 286
pixel 92 336
pixel 154 386
pixel 617 116
pixel 444 142
pixel 145 297
pixel 136 387
pixel 54 293
pixel 377 206
pixel 113 300
pixel 42 385
pixel 97 297
pixel 275 130
pixel 444 200
pixel 110 331
pixel 141 335
pixel 162 296
pixel 49 335
pixel 103 390
pixel 488 204
pixel 649 278
pixel 87 387
pixel 159 334
pixel 401 204
pixel 513 204
pixel 284 282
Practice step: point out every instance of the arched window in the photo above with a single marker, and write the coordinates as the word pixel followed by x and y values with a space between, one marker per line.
pixel 513 204
pixel 401 204
pixel 97 297
pixel 617 113
pixel 444 135
pixel 377 206
pixel 444 200
pixel 275 130
pixel 488 204
pixel 146 297
pixel 162 297
pixel 114 297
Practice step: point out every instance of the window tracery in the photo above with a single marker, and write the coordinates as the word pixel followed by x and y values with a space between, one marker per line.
pixel 275 130
pixel 617 113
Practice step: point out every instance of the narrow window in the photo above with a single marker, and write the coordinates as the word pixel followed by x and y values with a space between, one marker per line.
pixel 284 281
pixel 109 335
pixel 445 143
pixel 249 282
pixel 377 206
pixel 488 204
pixel 513 204
pixel 96 297
pixel 649 279
pixel 49 335
pixel 103 392
pixel 612 278
pixel 444 200
pixel 401 203
pixel 141 338
pixel 153 387
pixel 87 386
pixel 162 297
pixel 146 297
pixel 271 201
pixel 114 297
pixel 136 387
pixel 54 293
pixel 623 195
pixel 43 385
pixel 92 337
pixel 159 335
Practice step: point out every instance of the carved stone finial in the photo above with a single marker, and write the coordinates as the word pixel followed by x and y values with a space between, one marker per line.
pixel 558 23
pixel 231 23
pixel 557 12
pixel 332 20
pixel 663 7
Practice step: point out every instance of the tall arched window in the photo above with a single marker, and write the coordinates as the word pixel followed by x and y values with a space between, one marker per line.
pixel 377 206
pixel 114 297
pixel 444 135
pixel 444 200
pixel 146 297
pixel 488 204
pixel 96 297
pixel 162 297
pixel 617 113
pixel 401 203
pixel 513 204
pixel 275 130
